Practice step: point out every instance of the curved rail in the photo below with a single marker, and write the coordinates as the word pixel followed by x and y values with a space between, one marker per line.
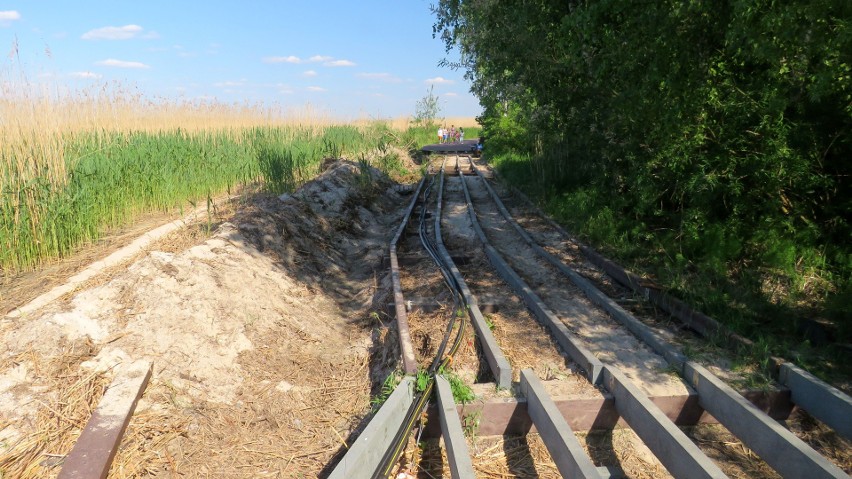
pixel 415 412
pixel 409 363
pixel 781 449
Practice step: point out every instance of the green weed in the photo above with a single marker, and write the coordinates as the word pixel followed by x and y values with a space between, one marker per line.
pixel 470 423
pixel 421 380
pixel 462 393
pixel 388 386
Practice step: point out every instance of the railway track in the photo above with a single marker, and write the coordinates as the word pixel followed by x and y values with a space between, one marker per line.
pixel 551 344
pixel 572 369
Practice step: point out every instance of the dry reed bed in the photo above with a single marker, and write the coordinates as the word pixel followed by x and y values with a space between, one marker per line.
pixel 423 282
pixel 259 435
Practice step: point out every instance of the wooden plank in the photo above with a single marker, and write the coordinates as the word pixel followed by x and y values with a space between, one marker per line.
pixel 509 416
pixel 780 448
pixel 409 361
pixel 567 453
pixel 92 454
pixel 451 428
pixel 364 455
pixel 821 400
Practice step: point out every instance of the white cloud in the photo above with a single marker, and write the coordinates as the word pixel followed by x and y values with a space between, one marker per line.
pixel 439 81
pixel 289 59
pixel 339 63
pixel 86 75
pixel 231 83
pixel 118 33
pixel 309 73
pixel 451 94
pixel 384 77
pixel 111 62
pixel 316 88
pixel 325 60
pixel 8 16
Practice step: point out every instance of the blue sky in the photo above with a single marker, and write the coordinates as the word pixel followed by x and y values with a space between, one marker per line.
pixel 351 58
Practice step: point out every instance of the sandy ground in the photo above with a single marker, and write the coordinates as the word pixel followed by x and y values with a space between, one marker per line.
pixel 264 347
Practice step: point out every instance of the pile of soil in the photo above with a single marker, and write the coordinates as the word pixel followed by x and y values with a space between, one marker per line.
pixel 267 342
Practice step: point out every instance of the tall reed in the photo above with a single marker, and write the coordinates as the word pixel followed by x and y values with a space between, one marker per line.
pixel 73 164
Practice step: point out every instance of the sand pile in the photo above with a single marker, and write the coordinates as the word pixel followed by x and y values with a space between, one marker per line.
pixel 266 341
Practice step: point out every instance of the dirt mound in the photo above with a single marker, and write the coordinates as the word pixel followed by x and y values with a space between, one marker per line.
pixel 264 334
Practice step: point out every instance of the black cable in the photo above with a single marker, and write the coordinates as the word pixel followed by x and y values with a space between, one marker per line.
pixel 414 412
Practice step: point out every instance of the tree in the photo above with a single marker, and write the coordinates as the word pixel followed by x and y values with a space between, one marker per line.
pixel 719 130
pixel 427 110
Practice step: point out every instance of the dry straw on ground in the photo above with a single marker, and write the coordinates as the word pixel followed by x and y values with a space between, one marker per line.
pixel 72 393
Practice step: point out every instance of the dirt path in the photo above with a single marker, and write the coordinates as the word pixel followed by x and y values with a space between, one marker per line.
pixel 20 288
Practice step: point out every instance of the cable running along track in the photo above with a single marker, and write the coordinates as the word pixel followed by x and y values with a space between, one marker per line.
pixel 634 382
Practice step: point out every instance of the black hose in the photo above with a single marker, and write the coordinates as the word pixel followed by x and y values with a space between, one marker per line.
pixel 415 411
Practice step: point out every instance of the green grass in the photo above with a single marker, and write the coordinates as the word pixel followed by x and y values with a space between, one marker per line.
pixel 112 177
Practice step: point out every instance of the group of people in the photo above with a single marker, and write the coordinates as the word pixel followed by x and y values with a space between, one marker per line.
pixel 450 135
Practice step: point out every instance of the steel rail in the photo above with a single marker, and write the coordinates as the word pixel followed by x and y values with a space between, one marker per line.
pixel 409 363
pixel 497 362
pixel 780 448
pixel 680 456
pixel 820 399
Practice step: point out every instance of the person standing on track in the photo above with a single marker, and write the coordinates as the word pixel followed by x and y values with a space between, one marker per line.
pixel 461 134
pixel 446 134
pixel 440 135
